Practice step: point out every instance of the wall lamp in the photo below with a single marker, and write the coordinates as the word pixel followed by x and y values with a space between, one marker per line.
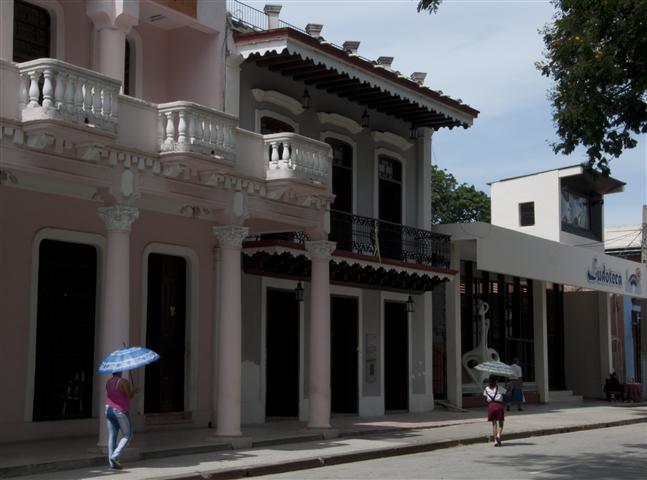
pixel 298 292
pixel 409 305
pixel 305 99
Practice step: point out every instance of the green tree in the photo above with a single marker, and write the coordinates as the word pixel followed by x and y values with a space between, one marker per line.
pixel 430 5
pixel 452 202
pixel 596 52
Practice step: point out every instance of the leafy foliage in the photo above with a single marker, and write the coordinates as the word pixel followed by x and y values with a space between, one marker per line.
pixel 454 203
pixel 430 5
pixel 597 55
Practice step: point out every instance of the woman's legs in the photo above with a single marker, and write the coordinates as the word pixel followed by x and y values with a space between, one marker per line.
pixel 113 431
pixel 123 420
pixel 494 431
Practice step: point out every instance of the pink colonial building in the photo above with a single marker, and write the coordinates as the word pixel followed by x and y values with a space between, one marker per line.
pixel 243 197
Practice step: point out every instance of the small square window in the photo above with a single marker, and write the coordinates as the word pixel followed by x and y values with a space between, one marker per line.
pixel 527 214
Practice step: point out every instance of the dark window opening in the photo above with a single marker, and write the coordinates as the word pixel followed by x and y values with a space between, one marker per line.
pixel 271 125
pixel 527 214
pixel 65 331
pixel 127 69
pixel 31 32
pixel 342 175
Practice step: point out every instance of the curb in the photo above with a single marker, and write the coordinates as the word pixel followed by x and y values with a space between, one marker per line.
pixel 322 461
pixel 301 464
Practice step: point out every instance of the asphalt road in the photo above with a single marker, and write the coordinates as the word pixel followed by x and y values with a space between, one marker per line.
pixel 609 453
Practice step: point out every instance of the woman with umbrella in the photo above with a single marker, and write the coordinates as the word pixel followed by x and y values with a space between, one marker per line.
pixel 119 393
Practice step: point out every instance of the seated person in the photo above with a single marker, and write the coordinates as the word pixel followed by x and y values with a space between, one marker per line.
pixel 612 387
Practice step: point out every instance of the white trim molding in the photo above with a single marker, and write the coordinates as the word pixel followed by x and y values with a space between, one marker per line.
pixel 392 139
pixel 95 240
pixel 279 99
pixel 340 121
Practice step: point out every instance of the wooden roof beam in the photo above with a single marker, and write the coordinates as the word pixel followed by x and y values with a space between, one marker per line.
pixel 342 81
pixel 277 60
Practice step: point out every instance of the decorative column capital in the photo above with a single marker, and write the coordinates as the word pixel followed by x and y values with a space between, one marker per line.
pixel 119 217
pixel 321 249
pixel 231 235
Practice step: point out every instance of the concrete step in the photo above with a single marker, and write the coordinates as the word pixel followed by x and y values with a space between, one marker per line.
pixel 564 396
pixel 168 419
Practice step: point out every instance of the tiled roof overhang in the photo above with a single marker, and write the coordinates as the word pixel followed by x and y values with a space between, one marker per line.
pixel 327 67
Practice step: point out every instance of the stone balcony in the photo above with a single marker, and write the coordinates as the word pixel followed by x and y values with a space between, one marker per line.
pixel 49 104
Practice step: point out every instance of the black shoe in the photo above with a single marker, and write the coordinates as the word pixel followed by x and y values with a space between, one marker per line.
pixel 520 409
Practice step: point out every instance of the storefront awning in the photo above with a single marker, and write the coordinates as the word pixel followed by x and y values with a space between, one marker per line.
pixel 509 252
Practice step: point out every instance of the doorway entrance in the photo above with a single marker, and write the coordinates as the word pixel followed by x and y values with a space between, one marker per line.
pixel 343 354
pixel 165 333
pixel 396 357
pixel 282 354
pixel 67 274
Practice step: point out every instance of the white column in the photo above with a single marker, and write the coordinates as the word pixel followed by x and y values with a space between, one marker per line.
pixel 232 81
pixel 606 357
pixel 424 178
pixel 115 318
pixel 453 331
pixel 540 333
pixel 319 374
pixel 6 30
pixel 230 239
pixel 112 52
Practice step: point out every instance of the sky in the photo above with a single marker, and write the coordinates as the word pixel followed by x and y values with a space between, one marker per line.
pixel 482 52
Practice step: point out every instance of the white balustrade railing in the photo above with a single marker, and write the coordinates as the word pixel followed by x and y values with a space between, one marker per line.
pixel 189 127
pixel 289 155
pixel 50 88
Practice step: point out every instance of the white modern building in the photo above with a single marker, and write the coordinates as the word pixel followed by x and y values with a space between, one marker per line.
pixel 541 267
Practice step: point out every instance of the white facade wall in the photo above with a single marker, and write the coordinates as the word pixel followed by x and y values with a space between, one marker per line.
pixel 543 190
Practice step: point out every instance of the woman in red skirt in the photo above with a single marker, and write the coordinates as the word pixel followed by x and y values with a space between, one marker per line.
pixel 495 408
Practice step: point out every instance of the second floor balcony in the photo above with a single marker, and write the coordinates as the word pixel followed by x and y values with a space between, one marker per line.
pixel 55 104
pixel 371 239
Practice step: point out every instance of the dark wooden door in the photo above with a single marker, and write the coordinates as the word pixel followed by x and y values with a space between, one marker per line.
pixel 165 333
pixel 343 359
pixel 282 354
pixel 65 331
pixel 390 207
pixel 31 32
pixel 396 357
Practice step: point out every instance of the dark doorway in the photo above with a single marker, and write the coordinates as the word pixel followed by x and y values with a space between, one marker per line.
pixel 67 275
pixel 396 357
pixel 165 333
pixel 31 32
pixel 270 125
pixel 555 336
pixel 343 354
pixel 282 355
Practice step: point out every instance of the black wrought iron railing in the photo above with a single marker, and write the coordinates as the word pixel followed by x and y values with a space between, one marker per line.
pixel 379 239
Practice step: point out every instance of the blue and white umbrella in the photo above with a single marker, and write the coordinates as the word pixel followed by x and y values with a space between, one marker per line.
pixel 127 358
pixel 496 368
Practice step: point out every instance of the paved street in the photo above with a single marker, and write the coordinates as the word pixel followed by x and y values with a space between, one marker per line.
pixel 612 453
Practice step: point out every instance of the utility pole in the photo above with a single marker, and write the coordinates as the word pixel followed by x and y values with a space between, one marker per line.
pixel 642 320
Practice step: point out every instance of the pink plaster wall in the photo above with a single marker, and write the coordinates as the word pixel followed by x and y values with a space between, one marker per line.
pixel 22 215
pixel 196 61
pixel 78 28
pixel 155 63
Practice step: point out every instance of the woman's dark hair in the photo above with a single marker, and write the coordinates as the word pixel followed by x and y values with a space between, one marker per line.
pixel 492 380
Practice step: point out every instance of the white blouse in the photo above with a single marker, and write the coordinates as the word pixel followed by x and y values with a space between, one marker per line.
pixel 494 394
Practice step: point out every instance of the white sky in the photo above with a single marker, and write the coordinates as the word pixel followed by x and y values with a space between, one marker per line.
pixel 482 52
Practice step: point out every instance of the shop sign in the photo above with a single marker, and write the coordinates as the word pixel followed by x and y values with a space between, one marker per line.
pixel 600 275
pixel 632 284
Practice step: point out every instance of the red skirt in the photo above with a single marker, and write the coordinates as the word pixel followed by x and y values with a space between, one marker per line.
pixel 495 411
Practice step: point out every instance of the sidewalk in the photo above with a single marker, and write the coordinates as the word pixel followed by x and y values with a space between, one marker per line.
pixel 288 445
